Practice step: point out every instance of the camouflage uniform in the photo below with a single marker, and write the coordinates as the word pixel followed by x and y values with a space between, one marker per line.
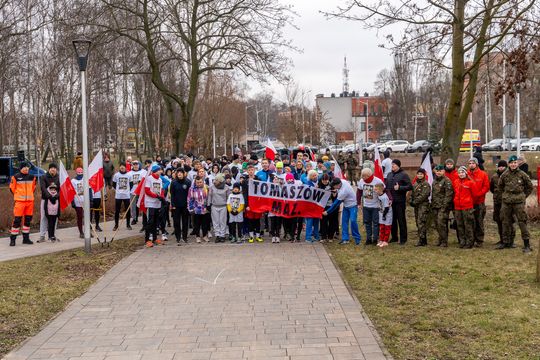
pixel 442 197
pixel 465 227
pixel 341 161
pixel 497 204
pixel 514 187
pixel 420 202
pixel 352 164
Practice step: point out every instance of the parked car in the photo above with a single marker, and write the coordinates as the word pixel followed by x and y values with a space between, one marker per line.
pixel 335 148
pixel 395 145
pixel 419 146
pixel 9 166
pixel 531 145
pixel 493 145
pixel 366 145
pixel 372 147
pixel 512 143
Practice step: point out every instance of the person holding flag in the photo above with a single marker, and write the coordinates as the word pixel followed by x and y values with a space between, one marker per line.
pixel 137 175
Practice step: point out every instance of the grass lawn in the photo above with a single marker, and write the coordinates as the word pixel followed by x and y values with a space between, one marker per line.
pixel 436 303
pixel 33 290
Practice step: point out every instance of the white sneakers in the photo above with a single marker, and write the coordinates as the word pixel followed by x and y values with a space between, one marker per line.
pixel 198 240
pixel 275 239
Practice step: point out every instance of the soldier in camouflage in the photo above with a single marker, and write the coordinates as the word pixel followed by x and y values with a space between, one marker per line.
pixel 351 165
pixel 502 165
pixel 514 187
pixel 442 197
pixel 420 202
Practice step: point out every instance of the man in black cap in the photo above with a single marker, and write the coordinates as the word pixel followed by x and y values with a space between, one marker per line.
pixel 502 165
pixel 399 183
pixel 51 177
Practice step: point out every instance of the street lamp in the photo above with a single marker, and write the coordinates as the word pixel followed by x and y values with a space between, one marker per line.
pixel 518 118
pixel 82 49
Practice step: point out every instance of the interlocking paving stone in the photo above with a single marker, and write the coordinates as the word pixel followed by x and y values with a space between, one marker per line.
pixel 205 302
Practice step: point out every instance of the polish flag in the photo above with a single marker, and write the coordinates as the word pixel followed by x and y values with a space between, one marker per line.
pixel 426 165
pixel 378 168
pixel 337 170
pixel 67 191
pixel 140 192
pixel 270 151
pixel 95 172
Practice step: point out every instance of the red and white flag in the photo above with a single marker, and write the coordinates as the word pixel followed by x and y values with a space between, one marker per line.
pixel 270 151
pixel 426 165
pixel 140 192
pixel 95 172
pixel 67 191
pixel 378 168
pixel 337 170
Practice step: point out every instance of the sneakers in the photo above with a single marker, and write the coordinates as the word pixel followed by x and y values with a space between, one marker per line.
pixel 251 240
pixel 129 227
pixel 234 240
pixel 149 244
pixel 198 240
pixel 164 237
pixel 277 240
pixel 527 249
pixel 53 239
pixel 81 236
pixel 206 239
pixel 12 241
pixel 133 222
pixel 273 239
pixel 159 242
pixel 259 239
pixel 115 228
pixel 41 239
pixel 98 229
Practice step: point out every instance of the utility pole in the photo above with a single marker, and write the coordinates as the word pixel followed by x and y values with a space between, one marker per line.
pixel 504 108
pixel 518 116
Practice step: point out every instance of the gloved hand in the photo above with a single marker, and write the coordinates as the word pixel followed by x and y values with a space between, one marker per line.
pixel 384 218
pixel 161 198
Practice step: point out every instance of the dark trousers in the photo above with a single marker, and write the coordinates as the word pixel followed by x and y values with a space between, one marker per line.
pixel 235 229
pixel 152 223
pixel 180 222
pixel 79 212
pixel 164 217
pixel 275 225
pixel 118 207
pixel 399 219
pixel 298 224
pixel 96 210
pixel 288 226
pixel 51 225
pixel 200 224
pixel 254 225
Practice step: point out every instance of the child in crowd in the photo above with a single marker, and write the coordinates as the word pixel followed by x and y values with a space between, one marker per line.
pixel 52 210
pixel 235 207
pixel 217 199
pixel 197 203
pixel 464 189
pixel 275 221
pixel 96 210
pixel 385 215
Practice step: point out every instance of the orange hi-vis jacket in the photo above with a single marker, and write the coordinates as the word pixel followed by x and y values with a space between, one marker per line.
pixel 22 187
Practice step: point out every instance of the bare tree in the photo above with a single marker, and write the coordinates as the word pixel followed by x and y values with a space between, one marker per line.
pixel 456 34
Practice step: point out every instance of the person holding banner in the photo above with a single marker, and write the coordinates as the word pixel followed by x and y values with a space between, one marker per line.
pixel 312 224
pixel 253 219
pixel 329 223
pixel 349 216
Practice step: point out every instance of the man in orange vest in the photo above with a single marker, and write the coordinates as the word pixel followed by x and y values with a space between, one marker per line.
pixel 22 187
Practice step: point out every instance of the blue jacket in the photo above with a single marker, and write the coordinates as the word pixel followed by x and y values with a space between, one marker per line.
pixel 264 175
pixel 179 192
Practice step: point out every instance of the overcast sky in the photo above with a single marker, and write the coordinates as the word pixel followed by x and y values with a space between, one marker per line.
pixel 325 43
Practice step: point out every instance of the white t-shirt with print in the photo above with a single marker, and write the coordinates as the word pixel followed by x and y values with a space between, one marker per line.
pixel 79 197
pixel 155 185
pixel 122 185
pixel 346 194
pixel 370 199
pixel 136 178
pixel 384 202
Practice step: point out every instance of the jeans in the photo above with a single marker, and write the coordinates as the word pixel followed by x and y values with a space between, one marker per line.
pixel 350 214
pixel 180 221
pixel 312 228
pixel 371 222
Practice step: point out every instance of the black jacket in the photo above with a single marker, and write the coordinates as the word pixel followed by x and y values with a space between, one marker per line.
pixel 45 181
pixel 179 193
pixel 404 181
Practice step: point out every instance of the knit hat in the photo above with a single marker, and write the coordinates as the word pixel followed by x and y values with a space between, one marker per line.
pixel 219 178
pixel 24 164
pixel 155 168
pixel 449 161
pixel 474 159
pixel 279 165
pixel 237 185
pixel 289 176
pixel 79 171
pixel 397 162
pixel 53 165
pixel 421 170
pixel 439 167
pixel 512 158
pixel 502 163
pixel 462 169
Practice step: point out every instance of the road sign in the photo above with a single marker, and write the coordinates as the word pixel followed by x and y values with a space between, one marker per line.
pixel 509 130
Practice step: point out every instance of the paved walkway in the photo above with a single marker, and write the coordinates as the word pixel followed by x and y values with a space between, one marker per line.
pixel 260 301
pixel 69 240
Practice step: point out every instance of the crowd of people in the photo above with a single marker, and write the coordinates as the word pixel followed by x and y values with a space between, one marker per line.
pixel 209 198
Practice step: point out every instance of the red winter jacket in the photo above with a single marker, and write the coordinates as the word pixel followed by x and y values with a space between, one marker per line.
pixel 464 190
pixel 482 185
